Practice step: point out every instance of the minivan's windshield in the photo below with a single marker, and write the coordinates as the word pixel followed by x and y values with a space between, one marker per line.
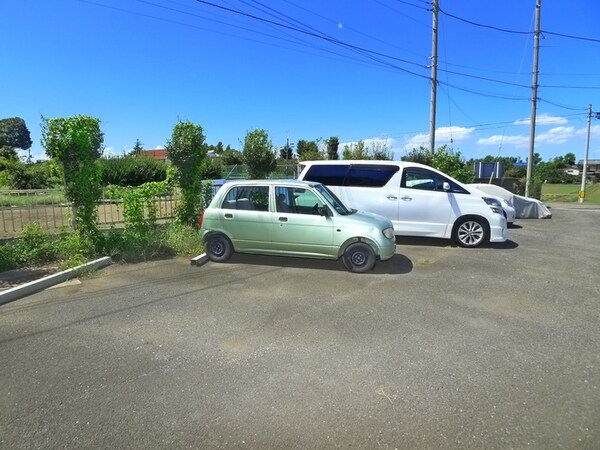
pixel 334 201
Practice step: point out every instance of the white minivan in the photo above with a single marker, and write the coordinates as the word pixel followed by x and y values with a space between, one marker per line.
pixel 418 199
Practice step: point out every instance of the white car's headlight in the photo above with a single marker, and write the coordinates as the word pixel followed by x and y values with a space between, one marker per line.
pixel 389 233
pixel 491 201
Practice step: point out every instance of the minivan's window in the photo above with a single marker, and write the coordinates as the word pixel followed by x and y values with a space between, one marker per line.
pixel 370 175
pixel 426 180
pixel 333 200
pixel 253 198
pixel 329 174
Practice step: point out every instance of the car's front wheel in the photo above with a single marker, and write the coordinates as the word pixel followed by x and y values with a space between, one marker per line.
pixel 359 257
pixel 218 248
pixel 471 232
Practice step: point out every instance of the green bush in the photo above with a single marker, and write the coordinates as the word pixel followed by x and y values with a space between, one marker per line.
pixel 41 175
pixel 67 250
pixel 131 171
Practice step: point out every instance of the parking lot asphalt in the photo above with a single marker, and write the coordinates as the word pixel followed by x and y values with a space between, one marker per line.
pixel 440 347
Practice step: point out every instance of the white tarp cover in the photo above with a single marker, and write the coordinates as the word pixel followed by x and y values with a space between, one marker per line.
pixel 530 208
pixel 525 207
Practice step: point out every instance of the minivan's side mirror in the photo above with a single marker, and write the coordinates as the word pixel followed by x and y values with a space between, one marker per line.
pixel 446 186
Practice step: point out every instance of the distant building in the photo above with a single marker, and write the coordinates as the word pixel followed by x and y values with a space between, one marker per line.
pixel 593 166
pixel 572 170
pixel 158 153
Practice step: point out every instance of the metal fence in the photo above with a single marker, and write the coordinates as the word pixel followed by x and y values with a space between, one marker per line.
pixel 49 209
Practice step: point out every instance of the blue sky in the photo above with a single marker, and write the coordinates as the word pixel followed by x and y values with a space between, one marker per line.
pixel 352 69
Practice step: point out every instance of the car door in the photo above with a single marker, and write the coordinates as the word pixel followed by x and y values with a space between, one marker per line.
pixel 372 188
pixel 298 227
pixel 424 208
pixel 246 217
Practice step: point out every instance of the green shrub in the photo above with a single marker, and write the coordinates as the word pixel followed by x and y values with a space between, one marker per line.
pixel 132 171
pixel 183 240
pixel 35 246
pixel 7 257
pixel 41 175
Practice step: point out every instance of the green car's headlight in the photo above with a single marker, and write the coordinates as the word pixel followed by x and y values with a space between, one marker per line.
pixel 389 233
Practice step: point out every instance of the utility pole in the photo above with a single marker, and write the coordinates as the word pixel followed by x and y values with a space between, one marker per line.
pixel 585 160
pixel 534 88
pixel 434 63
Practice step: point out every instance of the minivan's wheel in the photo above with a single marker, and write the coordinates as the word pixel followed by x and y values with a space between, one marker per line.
pixel 218 248
pixel 471 232
pixel 359 258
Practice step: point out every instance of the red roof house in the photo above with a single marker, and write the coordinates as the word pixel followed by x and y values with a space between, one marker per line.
pixel 159 153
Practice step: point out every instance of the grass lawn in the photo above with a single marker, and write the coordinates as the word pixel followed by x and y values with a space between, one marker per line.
pixel 570 193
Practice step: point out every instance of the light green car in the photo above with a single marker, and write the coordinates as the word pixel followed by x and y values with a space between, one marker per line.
pixel 293 218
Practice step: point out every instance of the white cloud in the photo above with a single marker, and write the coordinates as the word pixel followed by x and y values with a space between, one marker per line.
pixel 558 135
pixel 517 141
pixel 108 152
pixel 543 119
pixel 594 131
pixel 443 136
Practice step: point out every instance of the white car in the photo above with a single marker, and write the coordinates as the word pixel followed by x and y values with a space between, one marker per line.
pixel 525 207
pixel 419 200
pixel 506 202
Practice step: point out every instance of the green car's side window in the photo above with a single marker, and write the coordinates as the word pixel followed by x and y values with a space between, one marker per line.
pixel 252 198
pixel 307 202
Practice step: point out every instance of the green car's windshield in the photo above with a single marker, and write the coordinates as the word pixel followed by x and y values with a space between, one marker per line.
pixel 333 201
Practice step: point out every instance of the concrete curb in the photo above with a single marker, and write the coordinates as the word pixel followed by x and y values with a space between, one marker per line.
pixel 199 260
pixel 23 290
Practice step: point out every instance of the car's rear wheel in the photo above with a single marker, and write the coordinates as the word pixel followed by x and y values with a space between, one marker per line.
pixel 218 248
pixel 359 257
pixel 471 232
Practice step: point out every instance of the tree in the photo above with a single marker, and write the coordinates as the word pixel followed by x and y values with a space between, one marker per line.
pixel 419 155
pixel 333 144
pixel 258 154
pixel 287 151
pixel 186 151
pixel 305 146
pixel 232 157
pixel 570 159
pixel 452 163
pixel 381 151
pixel 554 171
pixel 356 150
pixel 14 134
pixel 444 160
pixel 76 143
pixel 138 148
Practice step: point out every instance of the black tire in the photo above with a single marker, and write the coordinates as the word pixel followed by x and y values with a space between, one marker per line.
pixel 218 248
pixel 359 257
pixel 471 232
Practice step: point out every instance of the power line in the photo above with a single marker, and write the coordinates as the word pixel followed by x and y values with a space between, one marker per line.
pixel 504 30
pixel 491 27
pixel 360 50
pixel 319 36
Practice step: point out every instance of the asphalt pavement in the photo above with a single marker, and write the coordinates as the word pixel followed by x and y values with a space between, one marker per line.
pixel 440 347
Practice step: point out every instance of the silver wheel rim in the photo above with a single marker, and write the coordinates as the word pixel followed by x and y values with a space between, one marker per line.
pixel 470 233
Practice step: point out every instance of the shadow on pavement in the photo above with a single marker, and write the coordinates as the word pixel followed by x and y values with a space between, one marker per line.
pixel 398 264
pixel 435 242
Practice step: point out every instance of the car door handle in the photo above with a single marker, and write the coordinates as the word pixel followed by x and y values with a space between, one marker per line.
pixel 283 219
pixel 229 216
pixel 392 197
pixel 406 198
